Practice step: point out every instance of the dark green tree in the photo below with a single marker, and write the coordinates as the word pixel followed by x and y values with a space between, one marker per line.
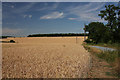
pixel 97 32
pixel 110 14
pixel 117 34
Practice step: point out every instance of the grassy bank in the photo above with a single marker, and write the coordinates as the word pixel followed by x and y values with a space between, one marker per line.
pixel 111 57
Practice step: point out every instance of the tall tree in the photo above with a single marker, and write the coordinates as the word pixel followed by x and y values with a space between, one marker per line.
pixel 117 35
pixel 109 14
pixel 96 30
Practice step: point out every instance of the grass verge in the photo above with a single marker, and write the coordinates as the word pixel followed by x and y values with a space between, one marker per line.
pixel 111 57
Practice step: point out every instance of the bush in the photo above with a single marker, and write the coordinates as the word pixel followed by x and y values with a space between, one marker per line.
pixel 88 41
pixel 12 41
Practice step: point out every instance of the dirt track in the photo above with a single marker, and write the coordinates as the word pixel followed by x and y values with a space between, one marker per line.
pixel 52 57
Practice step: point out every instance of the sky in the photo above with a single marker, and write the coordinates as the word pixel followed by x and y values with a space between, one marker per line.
pixel 0 18
pixel 25 18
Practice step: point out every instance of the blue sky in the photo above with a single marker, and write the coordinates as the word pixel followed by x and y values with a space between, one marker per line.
pixel 24 18
pixel 0 18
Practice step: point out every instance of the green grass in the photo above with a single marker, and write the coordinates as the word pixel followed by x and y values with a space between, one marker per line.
pixel 109 74
pixel 108 56
pixel 112 57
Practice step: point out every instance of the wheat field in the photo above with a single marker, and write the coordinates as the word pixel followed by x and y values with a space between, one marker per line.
pixel 45 57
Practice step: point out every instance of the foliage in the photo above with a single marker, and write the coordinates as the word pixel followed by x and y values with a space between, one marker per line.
pixel 12 41
pixel 5 36
pixel 58 35
pixel 88 41
pixel 112 15
pixel 109 56
pixel 96 30
pixel 109 14
pixel 110 33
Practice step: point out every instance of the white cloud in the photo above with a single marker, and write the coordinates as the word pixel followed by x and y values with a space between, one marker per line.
pixel 72 18
pixel 53 15
pixel 88 12
pixel 24 16
pixel 8 31
pixel 30 16
pixel 27 16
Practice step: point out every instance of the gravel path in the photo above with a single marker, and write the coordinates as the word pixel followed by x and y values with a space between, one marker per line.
pixel 45 58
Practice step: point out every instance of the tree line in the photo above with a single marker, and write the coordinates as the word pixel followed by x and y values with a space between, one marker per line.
pixel 57 35
pixel 1 37
pixel 108 33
